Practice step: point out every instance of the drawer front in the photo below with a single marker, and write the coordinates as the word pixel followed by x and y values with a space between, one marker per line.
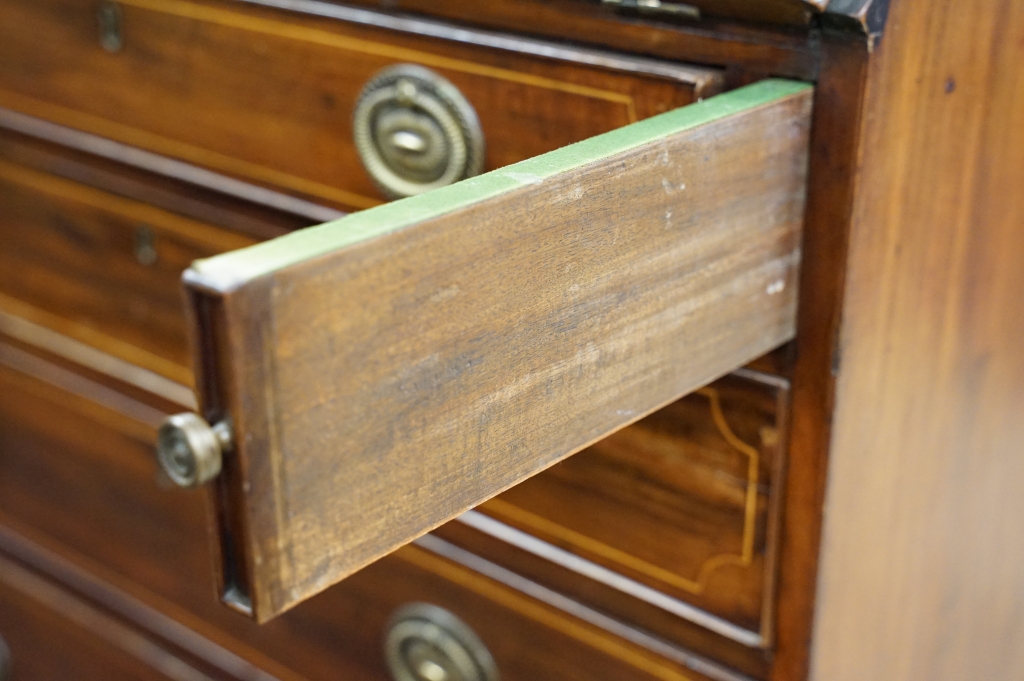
pixel 384 373
pixel 269 95
pixel 678 508
pixel 104 266
pixel 517 14
pixel 77 475
pixel 48 633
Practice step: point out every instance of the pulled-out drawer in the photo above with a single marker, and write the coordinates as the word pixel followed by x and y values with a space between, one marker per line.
pixel 269 95
pixel 77 477
pixel 367 380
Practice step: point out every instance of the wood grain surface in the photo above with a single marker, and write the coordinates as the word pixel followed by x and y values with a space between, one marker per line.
pixel 81 502
pixel 793 12
pixel 834 158
pixel 763 49
pixel 105 263
pixel 52 634
pixel 465 339
pixel 648 525
pixel 922 561
pixel 684 501
pixel 268 95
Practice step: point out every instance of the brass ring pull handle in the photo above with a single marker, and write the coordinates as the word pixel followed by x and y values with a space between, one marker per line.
pixel 190 450
pixel 416 132
pixel 428 643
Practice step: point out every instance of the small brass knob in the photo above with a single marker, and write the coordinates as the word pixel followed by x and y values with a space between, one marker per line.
pixel 428 643
pixel 190 450
pixel 416 132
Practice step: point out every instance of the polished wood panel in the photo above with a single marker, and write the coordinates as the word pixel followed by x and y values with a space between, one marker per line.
pixel 684 501
pixel 762 49
pixel 54 635
pixel 78 477
pixel 503 12
pixel 834 160
pixel 153 179
pixel 387 386
pixel 269 95
pixel 100 261
pixel 922 562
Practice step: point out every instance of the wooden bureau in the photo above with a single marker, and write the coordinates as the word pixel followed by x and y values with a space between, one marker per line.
pixel 444 451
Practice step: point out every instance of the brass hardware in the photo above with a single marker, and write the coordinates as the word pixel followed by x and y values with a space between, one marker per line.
pixel 189 450
pixel 656 7
pixel 109 15
pixel 145 245
pixel 416 132
pixel 5 660
pixel 428 643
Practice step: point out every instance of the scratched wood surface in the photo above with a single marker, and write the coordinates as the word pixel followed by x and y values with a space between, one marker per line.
pixel 387 372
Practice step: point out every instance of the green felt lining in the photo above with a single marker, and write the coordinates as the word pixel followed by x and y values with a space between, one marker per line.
pixel 230 270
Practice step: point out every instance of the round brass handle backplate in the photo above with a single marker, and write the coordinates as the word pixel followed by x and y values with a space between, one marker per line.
pixel 416 132
pixel 428 643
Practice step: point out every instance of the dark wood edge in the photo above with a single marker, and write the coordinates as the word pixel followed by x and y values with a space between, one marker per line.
pixel 834 157
pixel 704 81
pixel 226 510
pixel 863 16
pixel 772 50
pixel 214 321
pixel 783 401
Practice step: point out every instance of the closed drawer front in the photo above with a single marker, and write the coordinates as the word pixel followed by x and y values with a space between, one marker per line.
pixel 99 266
pixel 77 475
pixel 48 633
pixel 518 13
pixel 269 95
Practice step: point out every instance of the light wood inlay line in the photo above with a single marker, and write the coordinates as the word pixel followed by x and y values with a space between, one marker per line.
pixel 697 585
pixel 242 168
pixel 170 147
pixel 608 577
pixel 195 232
pixel 85 397
pixel 87 356
pixel 97 339
pixel 190 10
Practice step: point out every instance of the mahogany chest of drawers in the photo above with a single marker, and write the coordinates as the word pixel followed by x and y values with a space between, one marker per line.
pixel 564 413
